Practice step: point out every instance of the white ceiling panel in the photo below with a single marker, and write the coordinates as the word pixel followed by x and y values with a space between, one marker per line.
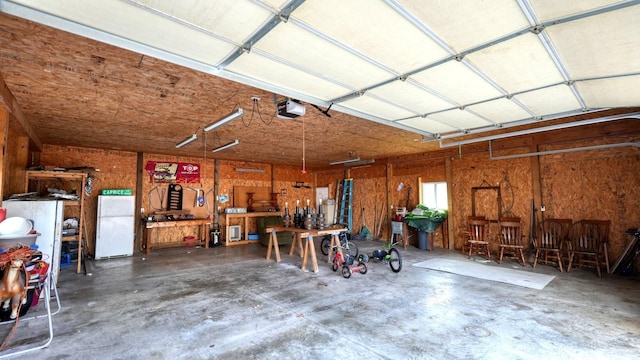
pixel 411 97
pixel 270 71
pixel 460 119
pixel 371 105
pixel 375 29
pixel 429 125
pixel 518 64
pixel 552 100
pixel 608 44
pixel 465 24
pixel 615 92
pixel 457 82
pixel 298 46
pixel 547 10
pixel 233 20
pixel 139 25
pixel 500 111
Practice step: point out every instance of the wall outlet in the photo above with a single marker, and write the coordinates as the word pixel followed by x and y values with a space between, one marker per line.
pixel 543 208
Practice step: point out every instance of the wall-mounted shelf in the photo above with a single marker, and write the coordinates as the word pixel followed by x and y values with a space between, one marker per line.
pixel 80 178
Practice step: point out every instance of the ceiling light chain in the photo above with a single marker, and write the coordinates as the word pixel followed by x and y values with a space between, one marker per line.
pixel 304 164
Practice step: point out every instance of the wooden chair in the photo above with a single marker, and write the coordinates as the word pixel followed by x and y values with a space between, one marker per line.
pixel 511 239
pixel 588 239
pixel 465 245
pixel 478 237
pixel 553 235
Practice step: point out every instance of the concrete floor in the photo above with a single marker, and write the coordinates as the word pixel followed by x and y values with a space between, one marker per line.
pixel 232 303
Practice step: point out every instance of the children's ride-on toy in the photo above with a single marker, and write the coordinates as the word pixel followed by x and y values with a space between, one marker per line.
pixel 389 255
pixel 347 265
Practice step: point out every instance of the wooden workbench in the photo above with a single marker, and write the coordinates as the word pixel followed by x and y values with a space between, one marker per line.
pixel 244 218
pixel 152 225
pixel 308 249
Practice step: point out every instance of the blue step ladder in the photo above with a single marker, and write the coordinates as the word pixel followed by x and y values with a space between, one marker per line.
pixel 346 199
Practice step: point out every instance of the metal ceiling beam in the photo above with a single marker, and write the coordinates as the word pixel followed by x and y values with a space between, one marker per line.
pixel 536 28
pixel 511 124
pixel 530 14
pixel 635 115
pixel 559 151
pixel 282 16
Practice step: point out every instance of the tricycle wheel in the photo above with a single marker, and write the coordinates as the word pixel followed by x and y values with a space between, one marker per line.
pixel 325 244
pixel 346 272
pixel 395 260
pixel 363 268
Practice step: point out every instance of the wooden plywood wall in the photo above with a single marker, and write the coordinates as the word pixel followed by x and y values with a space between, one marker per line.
pixel 599 184
pixel 596 185
pixel 284 180
pixel 117 170
pixel 15 162
pixel 513 177
pixel 405 186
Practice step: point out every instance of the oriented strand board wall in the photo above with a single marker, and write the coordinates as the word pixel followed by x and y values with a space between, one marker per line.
pixel 370 192
pixel 152 193
pixel 117 170
pixel 15 160
pixel 512 176
pixel 599 184
pixel 410 175
pixel 284 179
pixel 596 185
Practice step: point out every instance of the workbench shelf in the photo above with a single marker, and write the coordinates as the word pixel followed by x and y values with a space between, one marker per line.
pixel 244 220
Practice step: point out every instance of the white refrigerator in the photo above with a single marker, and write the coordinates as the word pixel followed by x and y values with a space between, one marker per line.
pixel 115 229
pixel 47 216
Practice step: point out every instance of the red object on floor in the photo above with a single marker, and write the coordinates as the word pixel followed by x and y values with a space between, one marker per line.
pixel 190 240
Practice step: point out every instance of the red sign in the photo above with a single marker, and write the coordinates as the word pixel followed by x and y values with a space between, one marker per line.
pixel 183 173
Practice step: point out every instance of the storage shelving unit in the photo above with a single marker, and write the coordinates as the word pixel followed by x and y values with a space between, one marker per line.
pixel 244 222
pixel 80 179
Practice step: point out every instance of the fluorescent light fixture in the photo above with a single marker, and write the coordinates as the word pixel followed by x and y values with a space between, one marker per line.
pixel 361 162
pixel 225 147
pixel 249 170
pixel 345 161
pixel 234 115
pixel 186 141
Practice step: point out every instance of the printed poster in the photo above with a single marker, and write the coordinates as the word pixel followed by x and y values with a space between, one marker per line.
pixel 165 172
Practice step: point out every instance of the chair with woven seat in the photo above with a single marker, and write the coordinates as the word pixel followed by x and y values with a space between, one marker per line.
pixel 588 239
pixel 511 239
pixel 478 237
pixel 550 242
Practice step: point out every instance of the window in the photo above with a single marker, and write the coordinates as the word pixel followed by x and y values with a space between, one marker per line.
pixel 434 195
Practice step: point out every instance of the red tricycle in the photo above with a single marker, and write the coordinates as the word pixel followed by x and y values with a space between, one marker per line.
pixel 348 266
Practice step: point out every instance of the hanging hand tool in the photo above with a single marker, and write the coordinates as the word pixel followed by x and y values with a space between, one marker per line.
pixel 160 198
pixel 199 200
